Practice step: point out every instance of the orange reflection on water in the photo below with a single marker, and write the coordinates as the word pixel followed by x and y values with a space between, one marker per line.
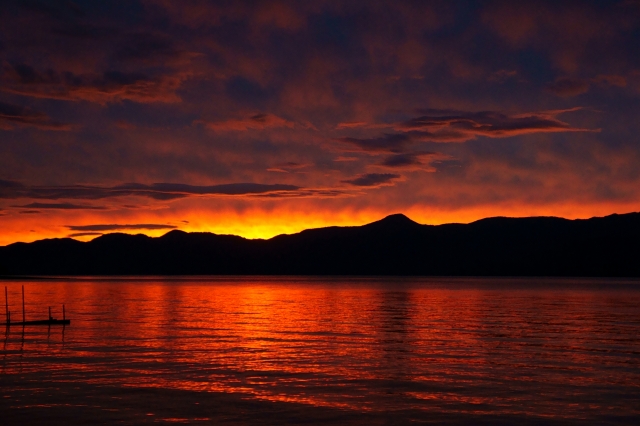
pixel 364 345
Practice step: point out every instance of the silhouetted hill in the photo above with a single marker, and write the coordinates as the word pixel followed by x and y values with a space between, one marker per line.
pixel 395 245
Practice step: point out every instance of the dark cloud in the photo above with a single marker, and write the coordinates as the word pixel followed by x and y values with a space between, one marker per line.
pixel 84 234
pixel 503 75
pixel 384 143
pixel 111 227
pixel 610 80
pixel 255 122
pixel 62 10
pixel 440 125
pixel 410 161
pixel 158 191
pixel 30 212
pixel 445 125
pixel 244 90
pixel 177 190
pixel 373 179
pixel 9 185
pixel 81 31
pixel 60 206
pixel 16 115
pixel 306 193
pixel 401 160
pixel 287 167
pixel 143 47
pixel 568 87
pixel 124 125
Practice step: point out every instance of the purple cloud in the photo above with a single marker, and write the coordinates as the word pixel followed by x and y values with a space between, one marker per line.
pixel 436 125
pixel 384 143
pixel 568 87
pixel 373 179
pixel 158 191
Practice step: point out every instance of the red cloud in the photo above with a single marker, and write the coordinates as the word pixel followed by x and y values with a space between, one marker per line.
pixel 102 88
pixel 287 167
pixel 255 122
pixel 16 115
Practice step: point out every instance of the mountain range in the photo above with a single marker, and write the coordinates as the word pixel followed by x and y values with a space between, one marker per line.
pixel 395 245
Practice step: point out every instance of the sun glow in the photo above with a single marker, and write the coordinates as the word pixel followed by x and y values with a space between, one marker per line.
pixel 262 223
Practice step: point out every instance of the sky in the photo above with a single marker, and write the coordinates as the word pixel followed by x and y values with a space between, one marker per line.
pixel 261 118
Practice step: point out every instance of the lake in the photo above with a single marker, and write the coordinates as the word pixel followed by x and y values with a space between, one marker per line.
pixel 277 350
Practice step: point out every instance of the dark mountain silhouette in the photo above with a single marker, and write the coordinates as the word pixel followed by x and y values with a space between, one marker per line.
pixel 395 245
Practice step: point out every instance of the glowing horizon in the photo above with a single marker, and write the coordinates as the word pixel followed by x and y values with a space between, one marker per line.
pixel 264 225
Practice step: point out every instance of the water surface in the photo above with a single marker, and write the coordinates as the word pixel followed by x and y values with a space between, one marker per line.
pixel 275 350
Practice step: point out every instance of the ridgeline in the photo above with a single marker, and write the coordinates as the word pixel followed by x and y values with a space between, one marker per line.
pixel 535 246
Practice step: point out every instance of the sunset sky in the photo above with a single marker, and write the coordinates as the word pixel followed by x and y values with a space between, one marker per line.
pixel 261 118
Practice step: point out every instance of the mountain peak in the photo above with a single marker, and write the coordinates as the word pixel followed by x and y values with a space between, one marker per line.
pixel 174 233
pixel 397 219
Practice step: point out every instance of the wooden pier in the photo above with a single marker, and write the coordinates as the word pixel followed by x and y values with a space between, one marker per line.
pixel 51 321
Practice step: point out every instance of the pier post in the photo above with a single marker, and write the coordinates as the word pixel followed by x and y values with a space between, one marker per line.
pixel 50 318
pixel 63 315
pixel 23 320
pixel 6 303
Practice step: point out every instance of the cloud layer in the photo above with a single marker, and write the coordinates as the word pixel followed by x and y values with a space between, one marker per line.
pixel 460 126
pixel 12 116
pixel 59 206
pixel 253 114
pixel 373 179
pixel 255 122
pixel 102 228
pixel 157 191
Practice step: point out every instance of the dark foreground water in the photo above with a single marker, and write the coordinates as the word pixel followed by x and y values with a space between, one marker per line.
pixel 343 351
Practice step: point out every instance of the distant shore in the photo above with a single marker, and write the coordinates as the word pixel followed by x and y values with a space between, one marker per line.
pixel 394 246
